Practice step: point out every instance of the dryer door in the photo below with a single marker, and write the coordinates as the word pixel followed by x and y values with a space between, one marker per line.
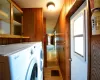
pixel 32 72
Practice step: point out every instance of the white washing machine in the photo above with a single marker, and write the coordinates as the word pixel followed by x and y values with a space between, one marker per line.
pixel 39 66
pixel 24 61
pixel 40 63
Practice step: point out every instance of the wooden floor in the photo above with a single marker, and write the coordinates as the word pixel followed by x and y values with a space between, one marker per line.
pixel 52 64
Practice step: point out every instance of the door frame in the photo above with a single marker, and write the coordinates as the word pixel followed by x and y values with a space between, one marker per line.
pixel 73 9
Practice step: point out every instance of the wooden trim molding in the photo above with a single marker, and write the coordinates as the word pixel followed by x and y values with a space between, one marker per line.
pixel 11 19
pixel 14 4
pixel 74 7
pixel 89 38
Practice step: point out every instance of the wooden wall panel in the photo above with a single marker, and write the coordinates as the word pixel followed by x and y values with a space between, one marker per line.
pixel 33 23
pixel 38 24
pixel 92 3
pixel 45 43
pixel 62 46
pixel 2 71
pixel 28 26
pixel 5 41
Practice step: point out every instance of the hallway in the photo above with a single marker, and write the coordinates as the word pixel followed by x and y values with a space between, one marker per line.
pixel 52 65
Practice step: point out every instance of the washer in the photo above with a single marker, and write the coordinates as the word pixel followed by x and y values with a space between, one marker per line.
pixel 36 70
pixel 23 61
pixel 40 60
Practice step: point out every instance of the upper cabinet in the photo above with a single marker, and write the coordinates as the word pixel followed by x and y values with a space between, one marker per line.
pixel 4 17
pixel 11 18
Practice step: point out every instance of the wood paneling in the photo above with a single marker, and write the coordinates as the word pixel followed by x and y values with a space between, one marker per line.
pixel 45 43
pixel 4 69
pixel 89 29
pixel 11 39
pixel 33 23
pixel 63 29
pixel 44 26
pixel 1 71
pixel 92 4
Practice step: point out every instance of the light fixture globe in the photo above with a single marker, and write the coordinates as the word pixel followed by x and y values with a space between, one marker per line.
pixel 51 6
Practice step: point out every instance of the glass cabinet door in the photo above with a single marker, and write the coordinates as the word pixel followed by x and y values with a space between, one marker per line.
pixel 17 21
pixel 4 17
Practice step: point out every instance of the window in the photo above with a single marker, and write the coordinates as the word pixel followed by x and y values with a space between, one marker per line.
pixel 79 34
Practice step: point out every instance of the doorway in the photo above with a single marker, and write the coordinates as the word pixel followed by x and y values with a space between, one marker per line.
pixel 78 41
pixel 51 51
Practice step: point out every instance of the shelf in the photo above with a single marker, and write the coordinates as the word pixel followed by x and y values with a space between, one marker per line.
pixel 12 36
pixel 3 15
pixel 17 23
pixel 6 20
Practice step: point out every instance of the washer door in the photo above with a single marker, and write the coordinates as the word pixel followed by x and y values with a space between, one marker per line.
pixel 32 72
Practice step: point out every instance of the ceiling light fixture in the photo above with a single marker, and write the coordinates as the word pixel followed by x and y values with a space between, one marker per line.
pixel 51 6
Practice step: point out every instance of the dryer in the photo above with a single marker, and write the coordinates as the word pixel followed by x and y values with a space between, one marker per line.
pixel 22 61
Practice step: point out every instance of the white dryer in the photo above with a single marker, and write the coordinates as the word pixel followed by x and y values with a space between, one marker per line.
pixel 21 61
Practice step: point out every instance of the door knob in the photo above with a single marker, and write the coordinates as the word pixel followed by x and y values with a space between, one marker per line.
pixel 70 59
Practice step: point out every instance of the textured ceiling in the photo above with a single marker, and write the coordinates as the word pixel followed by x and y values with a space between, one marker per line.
pixel 51 16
